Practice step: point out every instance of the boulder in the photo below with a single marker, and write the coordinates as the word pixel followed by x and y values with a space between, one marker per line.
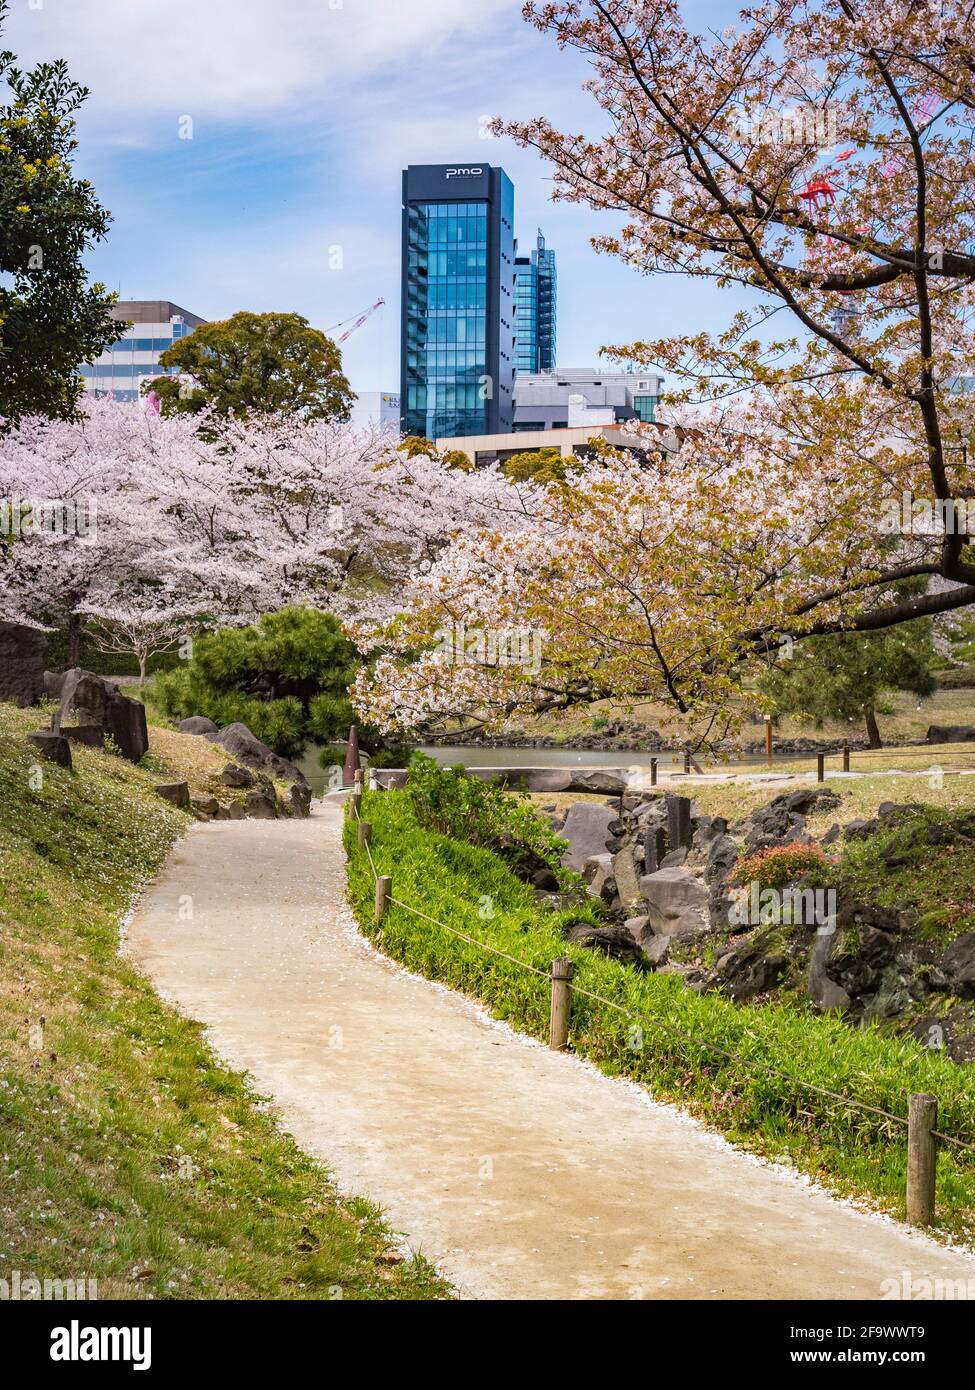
pixel 627 876
pixel 598 874
pixel 206 807
pixel 23 657
pixel 599 781
pixel 615 942
pixel 676 901
pixel 752 969
pixel 299 799
pixel 197 724
pixel 91 702
pixel 244 748
pixel 951 733
pixel 54 747
pixel 824 992
pixel 88 735
pixel 54 684
pixel 587 830
pixel 176 793
pixel 957 965
pixel 260 806
pixel 234 776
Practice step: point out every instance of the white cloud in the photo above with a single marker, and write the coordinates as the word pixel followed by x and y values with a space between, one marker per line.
pixel 238 59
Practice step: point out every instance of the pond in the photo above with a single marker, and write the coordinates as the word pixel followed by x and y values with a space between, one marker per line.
pixel 448 755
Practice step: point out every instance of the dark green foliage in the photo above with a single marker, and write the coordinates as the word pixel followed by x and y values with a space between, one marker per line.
pixel 480 813
pixel 286 678
pixel 51 318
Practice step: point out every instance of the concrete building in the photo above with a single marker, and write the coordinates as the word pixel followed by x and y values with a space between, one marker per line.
pixel 376 408
pixel 498 448
pixel 573 397
pixel 458 271
pixel 536 310
pixel 152 326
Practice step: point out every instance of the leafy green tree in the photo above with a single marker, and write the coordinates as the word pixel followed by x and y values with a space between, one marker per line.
pixel 845 675
pixel 271 364
pixel 287 678
pixel 51 318
pixel 537 466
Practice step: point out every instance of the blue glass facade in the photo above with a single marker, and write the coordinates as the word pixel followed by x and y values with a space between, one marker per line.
pixel 536 310
pixel 458 324
pixel 134 356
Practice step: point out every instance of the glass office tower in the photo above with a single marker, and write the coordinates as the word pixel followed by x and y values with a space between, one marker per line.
pixel 457 345
pixel 536 303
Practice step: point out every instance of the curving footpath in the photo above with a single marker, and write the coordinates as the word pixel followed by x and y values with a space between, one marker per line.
pixel 520 1172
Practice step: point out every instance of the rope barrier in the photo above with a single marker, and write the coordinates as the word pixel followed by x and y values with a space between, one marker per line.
pixel 665 1027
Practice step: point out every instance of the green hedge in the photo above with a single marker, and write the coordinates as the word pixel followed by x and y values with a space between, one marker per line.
pixel 471 889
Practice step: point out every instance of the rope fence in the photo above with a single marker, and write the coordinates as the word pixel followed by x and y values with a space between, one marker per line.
pixel 921 1120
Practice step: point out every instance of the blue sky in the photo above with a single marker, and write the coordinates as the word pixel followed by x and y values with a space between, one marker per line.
pixel 304 113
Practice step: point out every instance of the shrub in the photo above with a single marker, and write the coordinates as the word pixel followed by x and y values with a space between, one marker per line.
pixel 445 799
pixel 785 864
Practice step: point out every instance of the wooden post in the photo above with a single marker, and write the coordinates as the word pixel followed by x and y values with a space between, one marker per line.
pixel 846 756
pixel 653 772
pixel 558 1035
pixel 384 890
pixel 820 767
pixel 355 805
pixel 768 740
pixel 687 761
pixel 357 779
pixel 365 833
pixel 922 1118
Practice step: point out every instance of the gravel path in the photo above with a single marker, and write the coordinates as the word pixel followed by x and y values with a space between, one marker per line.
pixel 520 1172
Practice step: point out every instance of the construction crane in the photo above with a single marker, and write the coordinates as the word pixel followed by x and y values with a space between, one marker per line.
pixel 358 322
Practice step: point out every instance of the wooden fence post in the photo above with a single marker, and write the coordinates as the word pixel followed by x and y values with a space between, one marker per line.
pixel 365 833
pixel 768 740
pixel 562 970
pixel 358 778
pixel 355 805
pixel 922 1118
pixel 820 767
pixel 687 761
pixel 653 772
pixel 384 891
pixel 846 756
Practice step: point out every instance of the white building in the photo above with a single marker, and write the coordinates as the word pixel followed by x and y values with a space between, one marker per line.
pixel 576 397
pixel 376 408
pixel 153 325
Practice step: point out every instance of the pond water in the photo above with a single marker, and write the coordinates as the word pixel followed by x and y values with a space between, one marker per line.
pixel 322 779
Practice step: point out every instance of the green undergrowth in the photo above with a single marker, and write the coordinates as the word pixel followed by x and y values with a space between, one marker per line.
pixel 854 1151
pixel 128 1154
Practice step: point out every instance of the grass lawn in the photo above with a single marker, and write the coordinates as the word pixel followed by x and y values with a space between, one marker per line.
pixel 129 1154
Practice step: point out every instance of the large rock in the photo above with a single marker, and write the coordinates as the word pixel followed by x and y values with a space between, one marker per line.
pixel 598 874
pixel 92 703
pixel 676 902
pixel 957 965
pixel 600 781
pixel 176 793
pixel 615 942
pixel 587 830
pixel 951 733
pixel 823 991
pixel 23 657
pixel 197 724
pixel 52 746
pixel 245 748
pixel 627 876
pixel 54 684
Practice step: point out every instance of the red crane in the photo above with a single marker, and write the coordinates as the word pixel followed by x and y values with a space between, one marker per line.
pixel 358 322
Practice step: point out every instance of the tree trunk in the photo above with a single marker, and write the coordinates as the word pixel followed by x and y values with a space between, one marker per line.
pixel 142 670
pixel 873 732
pixel 74 639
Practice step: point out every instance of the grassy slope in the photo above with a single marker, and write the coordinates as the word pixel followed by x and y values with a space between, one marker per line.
pixel 854 1151
pixel 128 1154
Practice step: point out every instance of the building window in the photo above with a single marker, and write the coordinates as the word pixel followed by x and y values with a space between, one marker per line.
pixel 645 407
